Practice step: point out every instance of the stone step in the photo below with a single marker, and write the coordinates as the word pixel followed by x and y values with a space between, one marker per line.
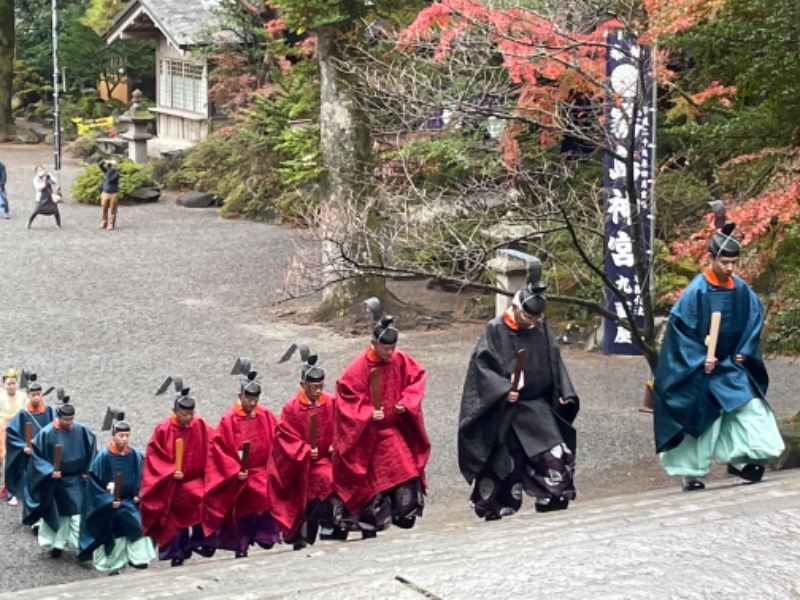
pixel 731 540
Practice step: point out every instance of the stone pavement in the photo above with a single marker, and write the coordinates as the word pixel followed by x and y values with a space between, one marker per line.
pixel 731 541
pixel 108 315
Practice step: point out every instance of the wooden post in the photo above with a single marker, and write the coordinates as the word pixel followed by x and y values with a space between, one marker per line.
pixel 647 401
pixel 28 434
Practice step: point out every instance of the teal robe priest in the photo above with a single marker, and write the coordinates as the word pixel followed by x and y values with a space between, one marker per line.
pixel 16 459
pixel 101 524
pixel 48 498
pixel 688 400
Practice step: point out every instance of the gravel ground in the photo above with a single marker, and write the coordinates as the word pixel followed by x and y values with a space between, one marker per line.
pixel 108 315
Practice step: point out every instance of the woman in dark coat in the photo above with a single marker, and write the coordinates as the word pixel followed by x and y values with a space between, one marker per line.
pixel 45 186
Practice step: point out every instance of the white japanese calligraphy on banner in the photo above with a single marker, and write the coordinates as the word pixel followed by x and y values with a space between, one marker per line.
pixel 628 71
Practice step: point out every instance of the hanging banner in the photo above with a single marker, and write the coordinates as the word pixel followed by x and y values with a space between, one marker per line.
pixel 627 105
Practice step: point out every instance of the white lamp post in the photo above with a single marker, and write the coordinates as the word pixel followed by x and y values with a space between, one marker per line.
pixel 56 118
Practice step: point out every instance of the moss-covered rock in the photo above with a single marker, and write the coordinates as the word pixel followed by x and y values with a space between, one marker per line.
pixel 790 459
pixel 779 286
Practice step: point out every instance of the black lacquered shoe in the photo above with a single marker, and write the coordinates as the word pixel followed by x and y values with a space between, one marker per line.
pixel 336 534
pixel 265 546
pixel 176 562
pixel 404 522
pixel 751 473
pixel 559 503
pixel 205 551
pixel 690 484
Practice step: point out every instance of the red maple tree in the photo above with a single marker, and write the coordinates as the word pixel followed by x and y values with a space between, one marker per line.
pixel 549 62
pixel 776 207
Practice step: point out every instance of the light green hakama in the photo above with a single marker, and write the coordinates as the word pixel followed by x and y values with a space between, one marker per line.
pixel 67 533
pixel 747 435
pixel 140 552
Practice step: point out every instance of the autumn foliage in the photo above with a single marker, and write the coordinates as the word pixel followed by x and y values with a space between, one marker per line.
pixel 538 56
pixel 776 207
pixel 715 91
pixel 665 17
pixel 233 83
pixel 549 63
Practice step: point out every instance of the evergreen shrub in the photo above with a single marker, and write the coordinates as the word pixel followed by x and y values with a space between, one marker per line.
pixel 86 189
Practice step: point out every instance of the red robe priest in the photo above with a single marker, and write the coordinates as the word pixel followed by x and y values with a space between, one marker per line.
pixel 172 488
pixel 236 485
pixel 380 451
pixel 300 477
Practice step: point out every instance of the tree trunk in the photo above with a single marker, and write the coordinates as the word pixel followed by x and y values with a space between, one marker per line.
pixel 6 67
pixel 345 145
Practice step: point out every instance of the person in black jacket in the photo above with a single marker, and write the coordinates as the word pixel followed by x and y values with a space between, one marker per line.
pixel 109 193
pixel 3 197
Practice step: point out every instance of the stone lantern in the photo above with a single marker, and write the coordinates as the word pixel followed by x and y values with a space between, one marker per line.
pixel 137 134
pixel 511 274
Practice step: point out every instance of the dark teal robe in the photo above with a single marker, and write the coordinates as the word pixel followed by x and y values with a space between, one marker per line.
pixel 16 459
pixel 686 399
pixel 50 499
pixel 101 524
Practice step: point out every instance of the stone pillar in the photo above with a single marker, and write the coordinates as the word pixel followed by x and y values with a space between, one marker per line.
pixel 511 273
pixel 137 134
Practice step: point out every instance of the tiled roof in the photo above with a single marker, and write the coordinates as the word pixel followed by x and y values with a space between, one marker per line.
pixel 185 23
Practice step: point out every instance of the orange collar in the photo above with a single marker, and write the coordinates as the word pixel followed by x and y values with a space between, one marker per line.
pixel 301 396
pixel 508 318
pixel 712 279
pixel 174 420
pixel 371 357
pixel 34 410
pixel 240 411
pixel 112 447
